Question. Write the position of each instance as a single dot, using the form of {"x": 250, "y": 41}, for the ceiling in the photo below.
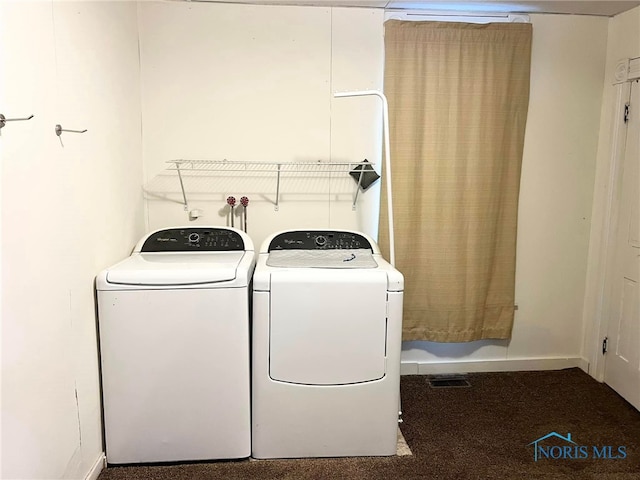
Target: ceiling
{"x": 607, "y": 8}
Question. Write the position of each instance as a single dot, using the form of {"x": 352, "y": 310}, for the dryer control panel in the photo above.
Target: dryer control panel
{"x": 319, "y": 240}
{"x": 195, "y": 239}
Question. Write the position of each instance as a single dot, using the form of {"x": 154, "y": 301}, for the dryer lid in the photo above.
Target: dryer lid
{"x": 352, "y": 258}
{"x": 167, "y": 269}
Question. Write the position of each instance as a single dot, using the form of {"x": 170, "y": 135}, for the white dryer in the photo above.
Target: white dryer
{"x": 174, "y": 345}
{"x": 327, "y": 327}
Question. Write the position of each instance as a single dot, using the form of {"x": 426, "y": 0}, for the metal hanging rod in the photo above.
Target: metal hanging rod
{"x": 4, "y": 120}
{"x": 59, "y": 130}
{"x": 387, "y": 158}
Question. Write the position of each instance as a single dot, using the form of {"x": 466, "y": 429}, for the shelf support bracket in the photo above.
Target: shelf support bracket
{"x": 277, "y": 207}
{"x": 184, "y": 195}
{"x": 355, "y": 197}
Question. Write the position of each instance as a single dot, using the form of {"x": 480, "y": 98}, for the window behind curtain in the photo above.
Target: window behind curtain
{"x": 458, "y": 96}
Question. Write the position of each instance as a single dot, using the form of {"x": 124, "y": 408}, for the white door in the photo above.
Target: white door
{"x": 622, "y": 367}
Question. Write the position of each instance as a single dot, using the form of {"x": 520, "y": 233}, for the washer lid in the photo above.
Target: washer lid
{"x": 175, "y": 269}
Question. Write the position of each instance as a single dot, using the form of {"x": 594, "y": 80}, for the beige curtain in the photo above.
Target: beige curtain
{"x": 458, "y": 97}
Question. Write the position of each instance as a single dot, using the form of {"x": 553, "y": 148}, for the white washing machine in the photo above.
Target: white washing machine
{"x": 327, "y": 328}
{"x": 174, "y": 345}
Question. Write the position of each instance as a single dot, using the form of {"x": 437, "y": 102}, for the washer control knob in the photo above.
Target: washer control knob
{"x": 321, "y": 240}
{"x": 194, "y": 237}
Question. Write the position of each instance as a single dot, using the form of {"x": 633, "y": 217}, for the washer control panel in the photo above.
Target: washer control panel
{"x": 199, "y": 239}
{"x": 319, "y": 240}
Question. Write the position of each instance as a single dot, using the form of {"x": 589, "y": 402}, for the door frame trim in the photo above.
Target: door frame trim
{"x": 600, "y": 258}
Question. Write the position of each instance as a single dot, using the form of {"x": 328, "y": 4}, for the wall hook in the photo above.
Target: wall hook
{"x": 4, "y": 120}
{"x": 59, "y": 130}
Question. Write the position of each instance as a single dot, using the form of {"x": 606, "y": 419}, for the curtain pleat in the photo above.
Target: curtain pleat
{"x": 458, "y": 97}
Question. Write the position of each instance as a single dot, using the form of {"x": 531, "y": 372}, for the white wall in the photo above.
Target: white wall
{"x": 623, "y": 43}
{"x": 242, "y": 82}
{"x": 67, "y": 212}
{"x": 255, "y": 83}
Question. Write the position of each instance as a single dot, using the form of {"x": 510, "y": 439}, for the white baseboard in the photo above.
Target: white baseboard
{"x": 97, "y": 468}
{"x": 515, "y": 365}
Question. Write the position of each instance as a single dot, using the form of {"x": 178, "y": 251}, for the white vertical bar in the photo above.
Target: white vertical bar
{"x": 387, "y": 158}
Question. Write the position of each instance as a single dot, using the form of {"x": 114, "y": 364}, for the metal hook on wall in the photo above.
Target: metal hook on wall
{"x": 59, "y": 130}
{"x": 4, "y": 120}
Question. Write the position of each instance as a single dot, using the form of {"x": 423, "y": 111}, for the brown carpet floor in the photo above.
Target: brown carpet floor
{"x": 481, "y": 432}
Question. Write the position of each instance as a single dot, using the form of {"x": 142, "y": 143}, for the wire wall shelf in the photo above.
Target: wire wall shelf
{"x": 198, "y": 169}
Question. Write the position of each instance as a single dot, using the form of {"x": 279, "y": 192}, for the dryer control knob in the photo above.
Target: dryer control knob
{"x": 321, "y": 240}
{"x": 194, "y": 237}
